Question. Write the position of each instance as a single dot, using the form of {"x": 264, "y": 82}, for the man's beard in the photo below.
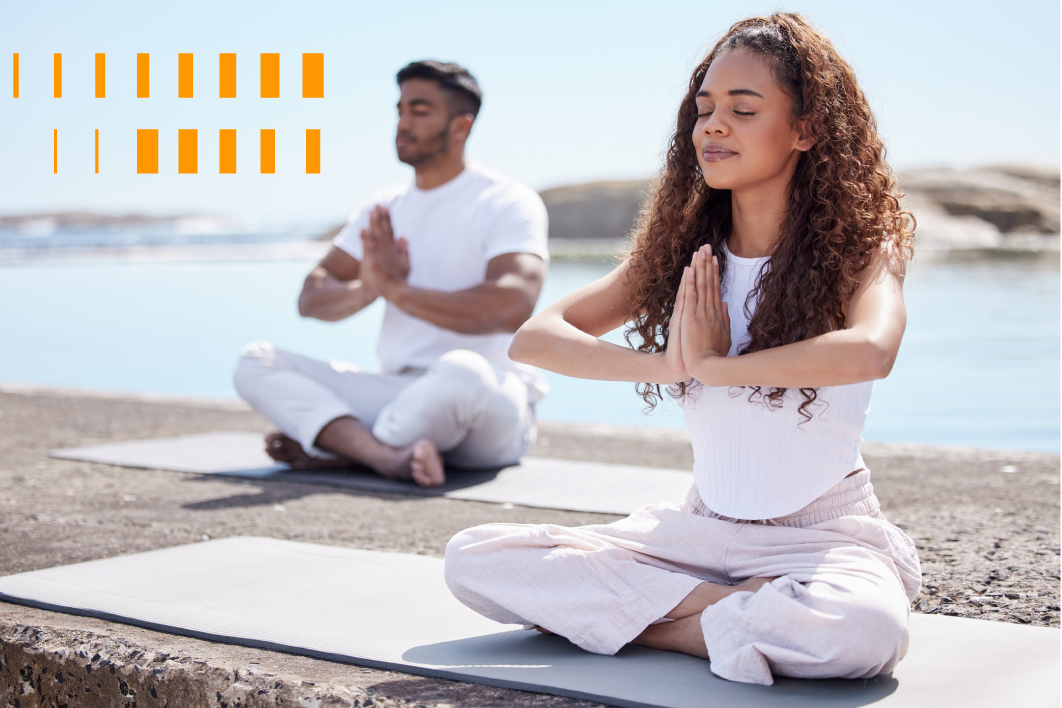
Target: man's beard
{"x": 428, "y": 149}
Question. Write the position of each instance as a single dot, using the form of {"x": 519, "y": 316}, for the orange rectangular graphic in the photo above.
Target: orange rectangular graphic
{"x": 143, "y": 75}
{"x": 313, "y": 75}
{"x": 269, "y": 152}
{"x": 101, "y": 75}
{"x": 187, "y": 152}
{"x": 270, "y": 75}
{"x": 147, "y": 152}
{"x": 184, "y": 76}
{"x": 14, "y": 75}
{"x": 226, "y": 76}
{"x": 227, "y": 151}
{"x": 313, "y": 151}
{"x": 57, "y": 76}
{"x": 55, "y": 151}
{"x": 97, "y": 150}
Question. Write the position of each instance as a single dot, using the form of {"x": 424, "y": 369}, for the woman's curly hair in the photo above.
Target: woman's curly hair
{"x": 843, "y": 205}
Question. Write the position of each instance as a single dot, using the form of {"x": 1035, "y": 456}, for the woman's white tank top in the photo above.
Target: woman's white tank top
{"x": 751, "y": 462}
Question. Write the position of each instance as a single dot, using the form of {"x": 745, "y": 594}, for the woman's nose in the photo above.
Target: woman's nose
{"x": 715, "y": 125}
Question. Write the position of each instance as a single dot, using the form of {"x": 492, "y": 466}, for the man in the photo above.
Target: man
{"x": 462, "y": 276}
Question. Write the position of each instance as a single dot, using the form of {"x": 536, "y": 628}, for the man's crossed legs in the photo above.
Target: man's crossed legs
{"x": 462, "y": 410}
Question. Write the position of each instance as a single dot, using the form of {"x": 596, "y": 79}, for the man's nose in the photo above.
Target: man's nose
{"x": 405, "y": 123}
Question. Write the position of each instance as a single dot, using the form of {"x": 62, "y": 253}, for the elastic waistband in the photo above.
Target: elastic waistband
{"x": 852, "y": 496}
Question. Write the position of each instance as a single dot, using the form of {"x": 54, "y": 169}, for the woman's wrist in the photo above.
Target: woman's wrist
{"x": 708, "y": 369}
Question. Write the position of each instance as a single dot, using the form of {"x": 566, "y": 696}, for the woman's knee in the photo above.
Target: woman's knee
{"x": 467, "y": 553}
{"x": 871, "y": 639}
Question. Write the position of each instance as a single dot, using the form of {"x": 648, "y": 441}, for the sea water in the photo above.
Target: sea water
{"x": 979, "y": 365}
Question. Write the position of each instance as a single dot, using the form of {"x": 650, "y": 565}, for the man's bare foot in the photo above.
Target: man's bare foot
{"x": 543, "y": 630}
{"x": 283, "y": 449}
{"x": 426, "y": 464}
{"x": 707, "y": 594}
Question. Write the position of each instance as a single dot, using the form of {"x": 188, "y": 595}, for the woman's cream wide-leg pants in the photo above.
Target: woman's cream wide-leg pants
{"x": 838, "y": 608}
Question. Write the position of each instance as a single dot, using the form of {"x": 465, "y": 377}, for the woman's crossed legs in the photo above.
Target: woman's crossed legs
{"x": 837, "y": 607}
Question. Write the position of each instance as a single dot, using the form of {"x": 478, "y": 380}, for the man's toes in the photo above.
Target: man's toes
{"x": 426, "y": 464}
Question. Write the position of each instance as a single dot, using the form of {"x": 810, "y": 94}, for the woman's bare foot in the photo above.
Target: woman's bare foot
{"x": 683, "y": 635}
{"x": 283, "y": 449}
{"x": 707, "y": 594}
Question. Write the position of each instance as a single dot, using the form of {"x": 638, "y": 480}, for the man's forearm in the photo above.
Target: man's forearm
{"x": 484, "y": 309}
{"x": 330, "y": 299}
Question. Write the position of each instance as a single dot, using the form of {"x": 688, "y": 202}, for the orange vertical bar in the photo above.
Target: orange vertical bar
{"x": 227, "y": 151}
{"x": 270, "y": 76}
{"x": 187, "y": 152}
{"x": 184, "y": 75}
{"x": 97, "y": 150}
{"x": 101, "y": 75}
{"x": 226, "y": 76}
{"x": 143, "y": 75}
{"x": 268, "y": 152}
{"x": 57, "y": 75}
{"x": 55, "y": 151}
{"x": 147, "y": 152}
{"x": 313, "y": 75}
{"x": 14, "y": 71}
{"x": 313, "y": 151}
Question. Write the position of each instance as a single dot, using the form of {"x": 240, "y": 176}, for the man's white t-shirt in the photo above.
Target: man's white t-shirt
{"x": 453, "y": 231}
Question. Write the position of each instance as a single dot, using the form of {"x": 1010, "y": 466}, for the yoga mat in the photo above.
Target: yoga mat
{"x": 393, "y": 611}
{"x": 536, "y": 481}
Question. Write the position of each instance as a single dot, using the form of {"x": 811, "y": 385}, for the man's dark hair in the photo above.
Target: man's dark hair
{"x": 462, "y": 92}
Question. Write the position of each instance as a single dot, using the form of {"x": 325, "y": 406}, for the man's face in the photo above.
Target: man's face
{"x": 423, "y": 122}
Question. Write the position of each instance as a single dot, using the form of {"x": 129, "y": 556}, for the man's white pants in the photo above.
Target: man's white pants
{"x": 476, "y": 412}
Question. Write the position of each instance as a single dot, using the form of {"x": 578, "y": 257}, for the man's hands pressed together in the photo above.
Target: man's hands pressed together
{"x": 385, "y": 262}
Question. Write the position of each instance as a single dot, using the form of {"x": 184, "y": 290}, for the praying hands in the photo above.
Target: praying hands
{"x": 385, "y": 264}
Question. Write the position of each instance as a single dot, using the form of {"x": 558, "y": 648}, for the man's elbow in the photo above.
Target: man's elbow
{"x": 305, "y": 306}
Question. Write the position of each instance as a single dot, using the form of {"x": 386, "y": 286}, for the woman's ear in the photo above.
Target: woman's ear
{"x": 807, "y": 136}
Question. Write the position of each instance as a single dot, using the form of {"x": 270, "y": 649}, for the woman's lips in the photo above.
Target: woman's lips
{"x": 714, "y": 153}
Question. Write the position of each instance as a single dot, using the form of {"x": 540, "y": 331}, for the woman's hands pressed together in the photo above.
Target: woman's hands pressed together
{"x": 705, "y": 318}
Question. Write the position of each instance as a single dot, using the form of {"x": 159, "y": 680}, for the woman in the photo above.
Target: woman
{"x": 765, "y": 291}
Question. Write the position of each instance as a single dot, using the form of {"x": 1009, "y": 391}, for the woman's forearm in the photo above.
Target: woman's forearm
{"x": 833, "y": 359}
{"x": 557, "y": 346}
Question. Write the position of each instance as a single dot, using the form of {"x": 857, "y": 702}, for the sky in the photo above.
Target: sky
{"x": 574, "y": 91}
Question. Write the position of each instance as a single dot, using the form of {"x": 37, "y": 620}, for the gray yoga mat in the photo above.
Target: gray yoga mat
{"x": 393, "y": 611}
{"x": 536, "y": 481}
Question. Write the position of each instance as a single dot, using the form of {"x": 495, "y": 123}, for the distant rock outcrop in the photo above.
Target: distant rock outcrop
{"x": 595, "y": 211}
{"x": 989, "y": 207}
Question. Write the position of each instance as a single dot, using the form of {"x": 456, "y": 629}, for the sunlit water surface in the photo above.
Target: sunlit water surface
{"x": 979, "y": 364}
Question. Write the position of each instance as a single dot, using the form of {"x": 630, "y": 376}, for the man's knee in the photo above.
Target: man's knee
{"x": 254, "y": 357}
{"x": 465, "y": 366}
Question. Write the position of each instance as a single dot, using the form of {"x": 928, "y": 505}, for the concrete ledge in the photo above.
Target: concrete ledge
{"x": 986, "y": 524}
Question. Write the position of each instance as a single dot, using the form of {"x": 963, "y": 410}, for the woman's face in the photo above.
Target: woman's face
{"x": 744, "y": 135}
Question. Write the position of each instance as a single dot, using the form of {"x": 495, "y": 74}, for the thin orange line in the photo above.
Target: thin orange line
{"x": 14, "y": 67}
{"x": 55, "y": 151}
{"x": 97, "y": 150}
